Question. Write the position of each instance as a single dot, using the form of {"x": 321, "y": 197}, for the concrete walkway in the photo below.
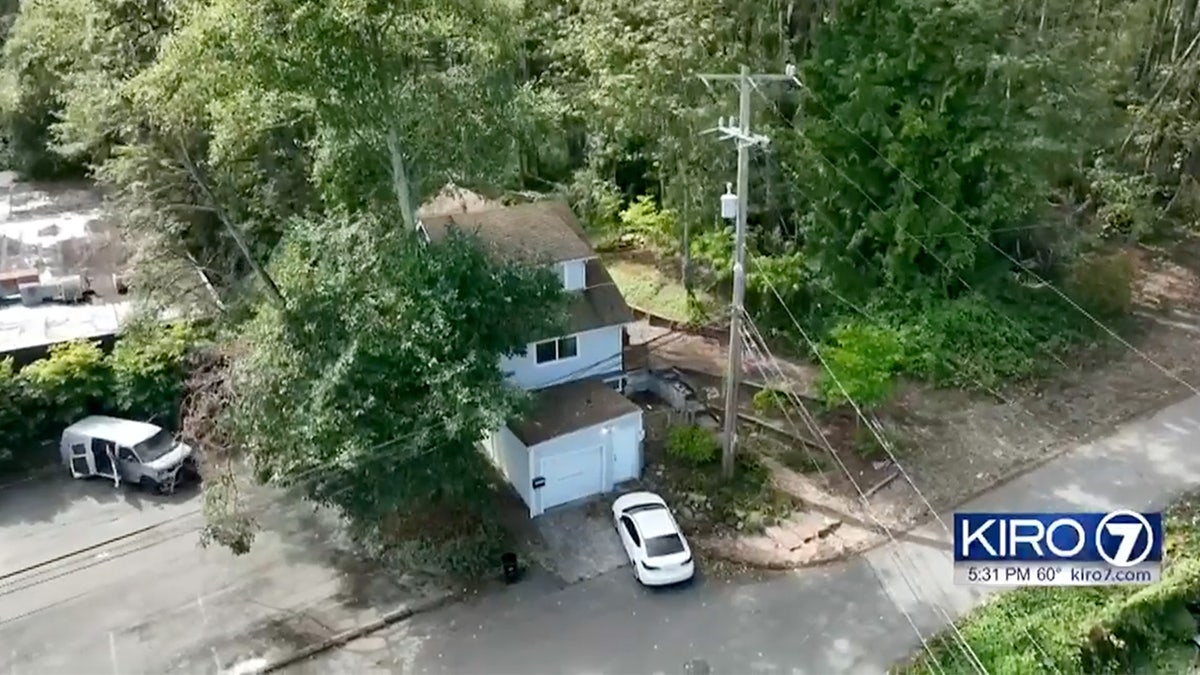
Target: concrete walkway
{"x": 847, "y": 618}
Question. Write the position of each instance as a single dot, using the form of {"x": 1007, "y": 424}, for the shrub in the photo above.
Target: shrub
{"x": 15, "y": 408}
{"x": 861, "y": 363}
{"x": 693, "y": 445}
{"x": 596, "y": 200}
{"x": 970, "y": 340}
{"x": 143, "y": 378}
{"x": 980, "y": 340}
{"x": 767, "y": 401}
{"x": 149, "y": 369}
{"x": 71, "y": 382}
{"x": 644, "y": 219}
{"x": 1104, "y": 283}
{"x": 1151, "y": 618}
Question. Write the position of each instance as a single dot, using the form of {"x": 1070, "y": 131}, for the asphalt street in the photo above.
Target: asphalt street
{"x": 154, "y": 601}
{"x": 852, "y": 617}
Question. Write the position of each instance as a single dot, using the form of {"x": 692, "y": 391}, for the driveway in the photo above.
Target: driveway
{"x": 101, "y": 580}
{"x": 848, "y": 618}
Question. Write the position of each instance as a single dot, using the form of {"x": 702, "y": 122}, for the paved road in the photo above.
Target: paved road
{"x": 848, "y": 618}
{"x": 155, "y": 602}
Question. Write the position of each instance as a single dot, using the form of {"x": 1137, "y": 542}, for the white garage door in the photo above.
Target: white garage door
{"x": 572, "y": 475}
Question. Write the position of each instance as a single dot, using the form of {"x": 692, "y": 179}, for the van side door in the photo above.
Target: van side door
{"x": 129, "y": 465}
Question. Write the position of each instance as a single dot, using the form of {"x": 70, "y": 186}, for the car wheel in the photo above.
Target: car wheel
{"x": 147, "y": 484}
{"x": 636, "y": 573}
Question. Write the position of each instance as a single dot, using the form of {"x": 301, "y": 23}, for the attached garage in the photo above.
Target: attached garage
{"x": 580, "y": 439}
{"x": 569, "y": 474}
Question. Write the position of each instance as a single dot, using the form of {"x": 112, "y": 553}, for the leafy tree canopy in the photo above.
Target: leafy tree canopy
{"x": 923, "y": 133}
{"x": 371, "y": 391}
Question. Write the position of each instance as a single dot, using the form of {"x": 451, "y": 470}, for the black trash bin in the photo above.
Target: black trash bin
{"x": 508, "y": 565}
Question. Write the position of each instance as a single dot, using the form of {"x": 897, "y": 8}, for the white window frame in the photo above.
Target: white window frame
{"x": 557, "y": 342}
{"x": 617, "y": 383}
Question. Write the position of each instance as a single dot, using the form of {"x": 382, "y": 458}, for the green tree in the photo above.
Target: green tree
{"x": 370, "y": 392}
{"x": 398, "y": 98}
{"x": 41, "y": 51}
{"x": 939, "y": 91}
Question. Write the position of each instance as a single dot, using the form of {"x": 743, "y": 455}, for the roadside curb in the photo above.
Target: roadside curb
{"x": 900, "y": 532}
{"x": 821, "y": 561}
{"x": 349, "y": 635}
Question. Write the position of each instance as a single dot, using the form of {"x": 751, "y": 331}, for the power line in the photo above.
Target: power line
{"x": 994, "y": 392}
{"x": 744, "y": 140}
{"x": 985, "y": 238}
{"x": 898, "y": 550}
{"x": 865, "y": 313}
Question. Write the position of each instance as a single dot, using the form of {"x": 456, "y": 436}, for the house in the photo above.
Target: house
{"x": 582, "y": 435}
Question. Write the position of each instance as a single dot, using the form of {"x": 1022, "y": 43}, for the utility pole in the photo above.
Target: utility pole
{"x": 737, "y": 206}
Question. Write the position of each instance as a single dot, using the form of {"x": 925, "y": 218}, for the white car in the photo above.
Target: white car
{"x": 656, "y": 547}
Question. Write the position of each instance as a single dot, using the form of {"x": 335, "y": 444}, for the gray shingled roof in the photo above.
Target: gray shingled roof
{"x": 544, "y": 232}
{"x": 600, "y": 304}
{"x": 570, "y": 407}
{"x": 538, "y": 232}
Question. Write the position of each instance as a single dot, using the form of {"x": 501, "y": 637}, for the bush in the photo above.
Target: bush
{"x": 971, "y": 340}
{"x": 1104, "y": 283}
{"x": 597, "y": 201}
{"x": 693, "y": 445}
{"x": 654, "y": 226}
{"x": 73, "y": 381}
{"x": 149, "y": 370}
{"x": 861, "y": 363}
{"x": 143, "y": 378}
{"x": 976, "y": 340}
{"x": 767, "y": 401}
{"x": 1150, "y": 619}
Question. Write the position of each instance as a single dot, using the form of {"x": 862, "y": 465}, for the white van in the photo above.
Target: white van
{"x": 124, "y": 450}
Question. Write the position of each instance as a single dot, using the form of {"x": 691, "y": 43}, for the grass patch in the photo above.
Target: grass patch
{"x": 647, "y": 287}
{"x": 1086, "y": 630}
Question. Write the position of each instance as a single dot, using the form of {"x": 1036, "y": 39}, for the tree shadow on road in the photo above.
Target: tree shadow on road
{"x": 48, "y": 497}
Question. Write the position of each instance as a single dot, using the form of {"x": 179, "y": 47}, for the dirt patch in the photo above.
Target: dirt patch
{"x": 955, "y": 444}
{"x": 964, "y": 443}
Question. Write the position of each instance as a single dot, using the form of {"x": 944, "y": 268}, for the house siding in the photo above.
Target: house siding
{"x": 574, "y": 273}
{"x": 599, "y": 354}
{"x": 511, "y": 457}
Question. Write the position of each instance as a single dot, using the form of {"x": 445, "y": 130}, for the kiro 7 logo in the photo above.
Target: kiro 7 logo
{"x": 1119, "y": 538}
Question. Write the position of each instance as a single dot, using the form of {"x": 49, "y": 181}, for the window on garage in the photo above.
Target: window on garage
{"x": 556, "y": 350}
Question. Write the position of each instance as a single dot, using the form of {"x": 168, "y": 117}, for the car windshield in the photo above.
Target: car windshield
{"x": 667, "y": 544}
{"x": 154, "y": 447}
